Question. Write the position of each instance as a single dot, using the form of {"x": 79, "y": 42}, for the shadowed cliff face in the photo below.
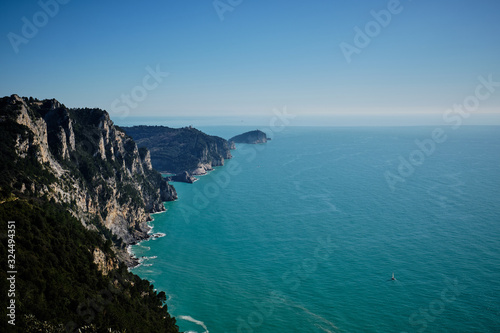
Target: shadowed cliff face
{"x": 82, "y": 160}
{"x": 176, "y": 150}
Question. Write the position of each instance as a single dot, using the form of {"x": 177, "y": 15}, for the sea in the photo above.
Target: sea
{"x": 336, "y": 229}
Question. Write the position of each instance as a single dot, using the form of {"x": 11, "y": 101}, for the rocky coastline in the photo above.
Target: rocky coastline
{"x": 81, "y": 192}
{"x": 101, "y": 174}
{"x": 185, "y": 152}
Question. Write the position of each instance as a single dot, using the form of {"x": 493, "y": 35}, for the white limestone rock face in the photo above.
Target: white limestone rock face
{"x": 104, "y": 263}
{"x": 99, "y": 171}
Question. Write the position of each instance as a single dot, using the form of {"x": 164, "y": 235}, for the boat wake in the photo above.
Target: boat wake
{"x": 314, "y": 315}
{"x": 198, "y": 322}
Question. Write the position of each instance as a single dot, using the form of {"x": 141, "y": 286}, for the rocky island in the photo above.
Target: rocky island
{"x": 252, "y": 137}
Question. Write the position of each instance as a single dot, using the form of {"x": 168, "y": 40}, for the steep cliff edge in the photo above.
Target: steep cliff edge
{"x": 86, "y": 163}
{"x": 176, "y": 150}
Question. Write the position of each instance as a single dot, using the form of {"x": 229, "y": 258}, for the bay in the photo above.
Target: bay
{"x": 302, "y": 234}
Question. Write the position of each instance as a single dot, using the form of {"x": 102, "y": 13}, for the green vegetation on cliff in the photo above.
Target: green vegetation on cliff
{"x": 79, "y": 190}
{"x": 175, "y": 150}
{"x": 58, "y": 285}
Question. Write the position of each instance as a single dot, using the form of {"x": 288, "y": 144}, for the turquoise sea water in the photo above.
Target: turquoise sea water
{"x": 303, "y": 233}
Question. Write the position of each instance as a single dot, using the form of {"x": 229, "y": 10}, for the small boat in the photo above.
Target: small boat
{"x": 393, "y": 278}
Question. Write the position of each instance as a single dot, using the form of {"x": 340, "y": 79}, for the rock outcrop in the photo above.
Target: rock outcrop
{"x": 105, "y": 264}
{"x": 183, "y": 177}
{"x": 252, "y": 137}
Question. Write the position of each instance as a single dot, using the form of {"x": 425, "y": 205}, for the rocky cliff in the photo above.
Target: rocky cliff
{"x": 84, "y": 162}
{"x": 176, "y": 150}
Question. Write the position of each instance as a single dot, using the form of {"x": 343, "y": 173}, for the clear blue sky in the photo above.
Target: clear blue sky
{"x": 265, "y": 54}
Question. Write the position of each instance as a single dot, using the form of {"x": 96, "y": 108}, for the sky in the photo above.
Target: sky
{"x": 324, "y": 61}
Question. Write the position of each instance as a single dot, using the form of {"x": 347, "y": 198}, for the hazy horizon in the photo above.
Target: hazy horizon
{"x": 356, "y": 63}
{"x": 304, "y": 121}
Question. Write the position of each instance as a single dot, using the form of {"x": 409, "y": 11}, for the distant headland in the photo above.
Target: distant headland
{"x": 185, "y": 152}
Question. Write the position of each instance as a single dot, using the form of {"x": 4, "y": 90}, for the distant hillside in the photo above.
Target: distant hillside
{"x": 175, "y": 150}
{"x": 79, "y": 190}
{"x": 252, "y": 137}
